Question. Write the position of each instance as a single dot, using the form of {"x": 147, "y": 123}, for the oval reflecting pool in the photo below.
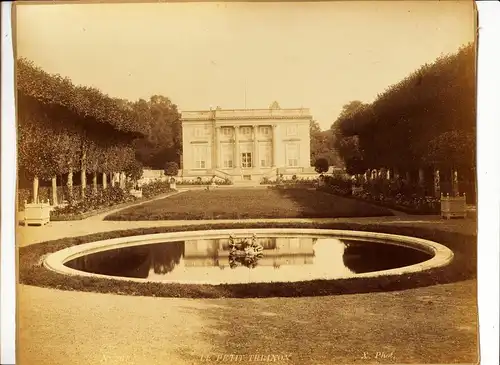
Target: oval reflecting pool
{"x": 281, "y": 258}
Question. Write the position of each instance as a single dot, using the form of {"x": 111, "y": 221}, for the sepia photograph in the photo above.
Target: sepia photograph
{"x": 246, "y": 182}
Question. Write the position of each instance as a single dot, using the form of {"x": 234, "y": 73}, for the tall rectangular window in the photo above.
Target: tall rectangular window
{"x": 265, "y": 154}
{"x": 292, "y": 154}
{"x": 246, "y": 149}
{"x": 227, "y": 156}
{"x": 246, "y": 159}
{"x": 200, "y": 156}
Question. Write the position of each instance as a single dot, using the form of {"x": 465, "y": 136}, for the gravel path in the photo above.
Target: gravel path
{"x": 55, "y": 230}
{"x": 426, "y": 325}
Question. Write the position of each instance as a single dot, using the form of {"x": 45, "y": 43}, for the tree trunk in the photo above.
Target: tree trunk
{"x": 421, "y": 177}
{"x": 122, "y": 180}
{"x": 83, "y": 162}
{"x": 35, "y": 189}
{"x": 54, "y": 190}
{"x": 437, "y": 183}
{"x": 112, "y": 179}
{"x": 104, "y": 181}
{"x": 388, "y": 174}
{"x": 454, "y": 182}
{"x": 94, "y": 182}
{"x": 69, "y": 184}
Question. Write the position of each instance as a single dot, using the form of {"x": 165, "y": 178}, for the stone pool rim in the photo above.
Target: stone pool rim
{"x": 441, "y": 255}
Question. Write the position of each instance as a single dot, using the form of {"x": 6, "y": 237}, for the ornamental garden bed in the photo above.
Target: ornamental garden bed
{"x": 398, "y": 207}
{"x": 463, "y": 266}
{"x": 106, "y": 200}
{"x": 428, "y": 205}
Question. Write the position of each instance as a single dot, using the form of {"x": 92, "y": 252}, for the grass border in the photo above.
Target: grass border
{"x": 463, "y": 266}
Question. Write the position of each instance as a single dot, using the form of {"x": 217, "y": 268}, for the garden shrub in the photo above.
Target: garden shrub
{"x": 94, "y": 200}
{"x": 395, "y": 193}
{"x": 154, "y": 188}
{"x": 199, "y": 181}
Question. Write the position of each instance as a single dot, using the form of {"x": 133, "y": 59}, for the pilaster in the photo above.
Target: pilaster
{"x": 275, "y": 149}
{"x": 255, "y": 160}
{"x": 216, "y": 147}
{"x": 236, "y": 146}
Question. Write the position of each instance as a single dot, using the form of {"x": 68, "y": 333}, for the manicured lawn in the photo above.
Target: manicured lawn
{"x": 250, "y": 203}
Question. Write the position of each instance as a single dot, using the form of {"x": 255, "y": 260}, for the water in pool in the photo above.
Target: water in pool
{"x": 270, "y": 259}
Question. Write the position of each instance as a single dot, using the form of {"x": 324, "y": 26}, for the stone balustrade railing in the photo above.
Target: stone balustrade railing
{"x": 246, "y": 114}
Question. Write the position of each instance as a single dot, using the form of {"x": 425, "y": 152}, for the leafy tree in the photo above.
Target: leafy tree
{"x": 406, "y": 123}
{"x": 171, "y": 169}
{"x": 164, "y": 141}
{"x": 322, "y": 145}
{"x": 321, "y": 165}
{"x": 61, "y": 128}
{"x": 134, "y": 170}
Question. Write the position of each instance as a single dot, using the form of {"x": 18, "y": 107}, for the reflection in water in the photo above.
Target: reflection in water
{"x": 166, "y": 257}
{"x": 361, "y": 257}
{"x": 246, "y": 252}
{"x": 279, "y": 259}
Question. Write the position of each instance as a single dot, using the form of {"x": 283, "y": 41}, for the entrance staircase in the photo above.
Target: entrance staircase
{"x": 246, "y": 178}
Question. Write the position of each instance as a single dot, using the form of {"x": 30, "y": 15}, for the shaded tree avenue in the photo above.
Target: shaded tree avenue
{"x": 426, "y": 121}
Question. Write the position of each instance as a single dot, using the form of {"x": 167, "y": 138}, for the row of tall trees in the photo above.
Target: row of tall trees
{"x": 65, "y": 129}
{"x": 426, "y": 121}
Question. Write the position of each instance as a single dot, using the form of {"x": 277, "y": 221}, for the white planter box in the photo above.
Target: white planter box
{"x": 355, "y": 190}
{"x": 136, "y": 193}
{"x": 453, "y": 207}
{"x": 37, "y": 213}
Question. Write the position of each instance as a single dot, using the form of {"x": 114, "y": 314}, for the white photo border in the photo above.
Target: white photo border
{"x": 488, "y": 186}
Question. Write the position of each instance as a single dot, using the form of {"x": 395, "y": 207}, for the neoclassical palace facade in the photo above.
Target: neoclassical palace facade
{"x": 246, "y": 144}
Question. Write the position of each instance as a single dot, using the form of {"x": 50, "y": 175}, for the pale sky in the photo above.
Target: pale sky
{"x": 317, "y": 55}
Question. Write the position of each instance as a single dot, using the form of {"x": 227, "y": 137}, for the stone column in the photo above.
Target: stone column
{"x": 236, "y": 146}
{"x": 216, "y": 148}
{"x": 255, "y": 159}
{"x": 275, "y": 149}
{"x": 104, "y": 181}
